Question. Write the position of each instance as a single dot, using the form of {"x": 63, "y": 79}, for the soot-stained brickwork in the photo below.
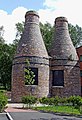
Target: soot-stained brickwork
{"x": 31, "y": 47}
{"x": 63, "y": 62}
{"x": 64, "y": 57}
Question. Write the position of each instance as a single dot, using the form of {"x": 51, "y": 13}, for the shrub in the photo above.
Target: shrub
{"x": 3, "y": 101}
{"x": 29, "y": 100}
{"x": 44, "y": 100}
{"x": 63, "y": 101}
{"x": 76, "y": 101}
{"x": 49, "y": 101}
{"x": 56, "y": 100}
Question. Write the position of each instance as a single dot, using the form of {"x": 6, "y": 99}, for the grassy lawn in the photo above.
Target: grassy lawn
{"x": 59, "y": 109}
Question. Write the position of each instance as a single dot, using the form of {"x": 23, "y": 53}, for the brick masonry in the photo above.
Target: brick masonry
{"x": 31, "y": 47}
{"x": 79, "y": 52}
{"x": 64, "y": 57}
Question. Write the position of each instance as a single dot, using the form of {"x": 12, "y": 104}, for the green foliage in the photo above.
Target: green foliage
{"x": 75, "y": 34}
{"x": 5, "y": 65}
{"x": 3, "y": 101}
{"x": 1, "y": 35}
{"x": 44, "y": 100}
{"x": 49, "y": 101}
{"x": 72, "y": 100}
{"x": 19, "y": 28}
{"x": 59, "y": 109}
{"x": 29, "y": 75}
{"x": 29, "y": 100}
{"x": 6, "y": 56}
{"x": 63, "y": 101}
{"x": 72, "y": 104}
{"x": 47, "y": 31}
{"x": 76, "y": 101}
{"x": 56, "y": 100}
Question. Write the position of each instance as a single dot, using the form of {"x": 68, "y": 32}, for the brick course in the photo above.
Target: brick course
{"x": 64, "y": 57}
{"x": 79, "y": 52}
{"x": 31, "y": 47}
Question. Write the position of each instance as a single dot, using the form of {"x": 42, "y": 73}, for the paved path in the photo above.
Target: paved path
{"x": 39, "y": 116}
{"x": 10, "y": 109}
{"x": 17, "y": 108}
{"x": 17, "y": 113}
{"x": 3, "y": 116}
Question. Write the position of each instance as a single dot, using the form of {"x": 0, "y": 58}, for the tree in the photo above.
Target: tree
{"x": 1, "y": 34}
{"x": 75, "y": 34}
{"x": 47, "y": 33}
{"x": 5, "y": 66}
{"x": 19, "y": 28}
{"x": 6, "y": 56}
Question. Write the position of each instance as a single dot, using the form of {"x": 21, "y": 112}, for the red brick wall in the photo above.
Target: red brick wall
{"x": 79, "y": 52}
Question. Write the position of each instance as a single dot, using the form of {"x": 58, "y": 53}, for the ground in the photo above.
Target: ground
{"x": 17, "y": 113}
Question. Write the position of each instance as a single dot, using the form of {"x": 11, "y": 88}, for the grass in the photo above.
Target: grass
{"x": 59, "y": 109}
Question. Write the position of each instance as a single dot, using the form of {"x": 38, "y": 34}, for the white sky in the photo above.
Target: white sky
{"x": 72, "y": 9}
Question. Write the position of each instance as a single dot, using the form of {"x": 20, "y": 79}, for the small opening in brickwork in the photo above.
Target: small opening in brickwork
{"x": 81, "y": 90}
{"x": 81, "y": 73}
{"x": 30, "y": 77}
{"x": 81, "y": 58}
{"x": 58, "y": 78}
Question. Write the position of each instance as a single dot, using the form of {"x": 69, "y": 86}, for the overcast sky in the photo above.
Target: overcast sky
{"x": 13, "y": 11}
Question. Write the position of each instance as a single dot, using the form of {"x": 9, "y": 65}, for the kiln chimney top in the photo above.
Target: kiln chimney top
{"x": 61, "y": 19}
{"x": 31, "y": 12}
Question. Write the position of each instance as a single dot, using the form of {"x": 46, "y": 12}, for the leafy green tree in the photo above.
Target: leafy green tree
{"x": 6, "y": 56}
{"x": 19, "y": 28}
{"x": 75, "y": 34}
{"x": 5, "y": 66}
{"x": 47, "y": 33}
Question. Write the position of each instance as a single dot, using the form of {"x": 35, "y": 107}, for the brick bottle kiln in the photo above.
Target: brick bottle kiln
{"x": 30, "y": 46}
{"x": 64, "y": 70}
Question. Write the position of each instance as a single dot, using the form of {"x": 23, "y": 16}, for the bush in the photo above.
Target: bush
{"x": 63, "y": 101}
{"x": 3, "y": 101}
{"x": 56, "y": 100}
{"x": 44, "y": 100}
{"x": 29, "y": 100}
{"x": 76, "y": 101}
{"x": 49, "y": 101}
